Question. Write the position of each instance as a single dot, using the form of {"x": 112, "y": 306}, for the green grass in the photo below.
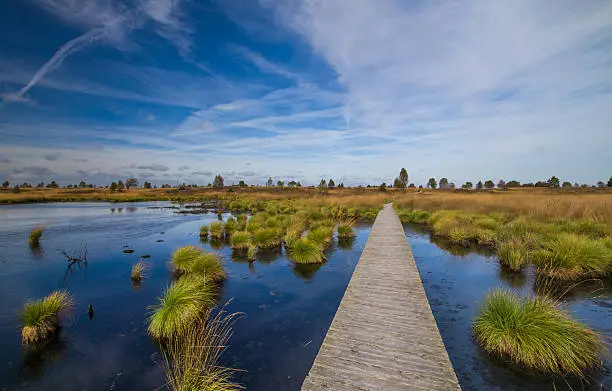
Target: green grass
{"x": 251, "y": 253}
{"x": 414, "y": 216}
{"x": 183, "y": 257}
{"x": 266, "y": 238}
{"x": 291, "y": 236}
{"x": 513, "y": 254}
{"x": 240, "y": 239}
{"x": 536, "y": 334}
{"x": 345, "y": 231}
{"x": 192, "y": 359}
{"x": 40, "y": 318}
{"x": 571, "y": 256}
{"x": 305, "y": 251}
{"x": 217, "y": 230}
{"x": 181, "y": 305}
{"x": 138, "y": 271}
{"x": 209, "y": 266}
{"x": 321, "y": 235}
{"x": 231, "y": 225}
{"x": 204, "y": 231}
{"x": 34, "y": 239}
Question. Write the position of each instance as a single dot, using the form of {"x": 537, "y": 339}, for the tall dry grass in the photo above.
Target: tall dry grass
{"x": 535, "y": 205}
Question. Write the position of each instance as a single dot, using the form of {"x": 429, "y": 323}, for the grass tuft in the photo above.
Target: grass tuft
{"x": 345, "y": 231}
{"x": 217, "y": 230}
{"x": 192, "y": 359}
{"x": 138, "y": 271}
{"x": 306, "y": 251}
{"x": 321, "y": 235}
{"x": 34, "y": 239}
{"x": 266, "y": 238}
{"x": 209, "y": 266}
{"x": 240, "y": 239}
{"x": 251, "y": 253}
{"x": 204, "y": 231}
{"x": 513, "y": 254}
{"x": 40, "y": 318}
{"x": 183, "y": 257}
{"x": 181, "y": 305}
{"x": 571, "y": 256}
{"x": 535, "y": 333}
{"x": 231, "y": 225}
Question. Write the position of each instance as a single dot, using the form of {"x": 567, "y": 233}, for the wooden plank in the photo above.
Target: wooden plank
{"x": 383, "y": 335}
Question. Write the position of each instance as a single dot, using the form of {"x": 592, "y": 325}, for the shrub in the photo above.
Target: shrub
{"x": 266, "y": 238}
{"x": 217, "y": 230}
{"x": 306, "y": 251}
{"x": 180, "y": 306}
{"x": 537, "y": 334}
{"x": 240, "y": 239}
{"x": 570, "y": 256}
{"x": 40, "y": 318}
{"x": 34, "y": 239}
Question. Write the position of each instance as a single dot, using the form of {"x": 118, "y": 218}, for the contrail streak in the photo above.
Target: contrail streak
{"x": 75, "y": 44}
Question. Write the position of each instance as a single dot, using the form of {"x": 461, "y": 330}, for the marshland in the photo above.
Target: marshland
{"x": 267, "y": 270}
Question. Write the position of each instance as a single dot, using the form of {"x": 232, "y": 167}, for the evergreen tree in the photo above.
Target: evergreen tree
{"x": 479, "y": 185}
{"x": 322, "y": 184}
{"x": 131, "y": 183}
{"x": 280, "y": 184}
{"x": 270, "y": 182}
{"x": 489, "y": 184}
{"x": 397, "y": 183}
{"x": 610, "y": 182}
{"x": 553, "y": 182}
{"x": 443, "y": 183}
{"x": 5, "y": 184}
{"x": 113, "y": 187}
{"x": 501, "y": 184}
{"x": 120, "y": 185}
{"x": 431, "y": 183}
{"x": 403, "y": 177}
{"x": 331, "y": 184}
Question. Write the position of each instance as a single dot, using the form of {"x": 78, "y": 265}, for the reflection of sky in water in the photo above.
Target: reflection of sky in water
{"x": 286, "y": 310}
{"x": 456, "y": 281}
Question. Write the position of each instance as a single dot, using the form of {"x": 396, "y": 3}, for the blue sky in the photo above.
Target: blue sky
{"x": 179, "y": 90}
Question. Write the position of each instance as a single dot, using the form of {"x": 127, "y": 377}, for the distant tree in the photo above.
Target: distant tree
{"x": 341, "y": 185}
{"x": 16, "y": 189}
{"x": 382, "y": 187}
{"x": 403, "y": 177}
{"x": 431, "y": 183}
{"x": 542, "y": 184}
{"x": 147, "y": 185}
{"x": 467, "y": 185}
{"x": 322, "y": 184}
{"x": 566, "y": 185}
{"x": 513, "y": 183}
{"x": 120, "y": 185}
{"x": 270, "y": 182}
{"x": 411, "y": 186}
{"x": 601, "y": 184}
{"x": 280, "y": 183}
{"x": 5, "y": 184}
{"x": 397, "y": 183}
{"x": 576, "y": 185}
{"x": 182, "y": 187}
{"x": 242, "y": 184}
{"x": 420, "y": 186}
{"x": 501, "y": 184}
{"x": 331, "y": 184}
{"x": 40, "y": 185}
{"x": 489, "y": 184}
{"x": 113, "y": 187}
{"x": 69, "y": 186}
{"x": 298, "y": 184}
{"x": 610, "y": 182}
{"x": 451, "y": 185}
{"x": 553, "y": 182}
{"x": 479, "y": 185}
{"x": 527, "y": 185}
{"x": 167, "y": 186}
{"x": 52, "y": 185}
{"x": 218, "y": 182}
{"x": 131, "y": 183}
{"x": 443, "y": 183}
{"x": 292, "y": 183}
{"x": 82, "y": 184}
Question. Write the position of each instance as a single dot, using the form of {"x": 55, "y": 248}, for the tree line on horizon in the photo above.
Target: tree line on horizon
{"x": 400, "y": 182}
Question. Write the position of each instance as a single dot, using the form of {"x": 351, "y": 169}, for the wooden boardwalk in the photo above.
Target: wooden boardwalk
{"x": 383, "y": 336}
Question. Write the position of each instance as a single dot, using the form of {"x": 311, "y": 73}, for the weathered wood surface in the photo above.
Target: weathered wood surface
{"x": 383, "y": 336}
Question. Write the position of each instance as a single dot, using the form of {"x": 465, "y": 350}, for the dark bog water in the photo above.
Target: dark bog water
{"x": 456, "y": 280}
{"x": 287, "y": 309}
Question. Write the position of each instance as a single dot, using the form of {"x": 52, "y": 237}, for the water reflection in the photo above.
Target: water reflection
{"x": 346, "y": 243}
{"x": 306, "y": 271}
{"x": 512, "y": 278}
{"x": 268, "y": 255}
{"x": 131, "y": 209}
{"x": 36, "y": 357}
